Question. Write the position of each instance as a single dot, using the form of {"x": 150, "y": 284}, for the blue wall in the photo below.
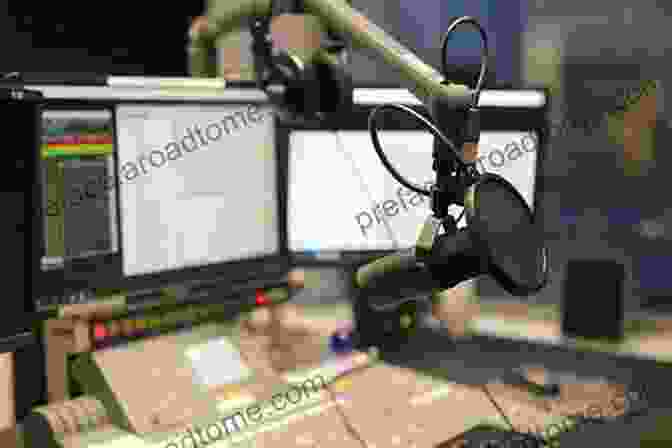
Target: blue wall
{"x": 423, "y": 23}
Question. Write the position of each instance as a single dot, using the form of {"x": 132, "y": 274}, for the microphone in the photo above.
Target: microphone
{"x": 501, "y": 239}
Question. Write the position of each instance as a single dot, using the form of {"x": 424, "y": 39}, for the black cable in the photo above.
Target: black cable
{"x": 484, "y": 53}
{"x": 373, "y": 131}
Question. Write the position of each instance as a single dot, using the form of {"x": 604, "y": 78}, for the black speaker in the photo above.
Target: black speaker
{"x": 593, "y": 299}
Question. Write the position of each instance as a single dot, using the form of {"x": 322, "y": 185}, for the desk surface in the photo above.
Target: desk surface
{"x": 391, "y": 404}
{"x": 645, "y": 338}
{"x": 384, "y": 405}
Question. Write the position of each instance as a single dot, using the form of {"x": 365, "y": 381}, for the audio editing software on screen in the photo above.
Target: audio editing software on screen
{"x": 78, "y": 185}
{"x": 138, "y": 195}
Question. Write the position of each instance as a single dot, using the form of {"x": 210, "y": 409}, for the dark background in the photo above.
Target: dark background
{"x": 122, "y": 38}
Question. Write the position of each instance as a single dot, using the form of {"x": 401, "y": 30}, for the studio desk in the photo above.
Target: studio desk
{"x": 120, "y": 318}
{"x": 645, "y": 337}
{"x": 186, "y": 389}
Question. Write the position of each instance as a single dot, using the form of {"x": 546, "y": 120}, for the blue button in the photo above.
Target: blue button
{"x": 341, "y": 342}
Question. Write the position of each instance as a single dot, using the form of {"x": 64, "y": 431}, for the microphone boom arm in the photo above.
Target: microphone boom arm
{"x": 426, "y": 83}
{"x": 437, "y": 261}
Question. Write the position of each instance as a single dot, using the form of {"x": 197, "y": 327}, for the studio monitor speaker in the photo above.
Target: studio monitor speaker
{"x": 593, "y": 299}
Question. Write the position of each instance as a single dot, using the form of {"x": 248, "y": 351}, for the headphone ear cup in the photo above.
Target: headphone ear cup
{"x": 335, "y": 88}
{"x": 285, "y": 70}
{"x": 301, "y": 92}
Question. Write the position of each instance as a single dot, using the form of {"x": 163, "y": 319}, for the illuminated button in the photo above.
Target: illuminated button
{"x": 99, "y": 331}
{"x": 341, "y": 341}
{"x": 341, "y": 385}
{"x": 140, "y": 325}
{"x": 261, "y": 299}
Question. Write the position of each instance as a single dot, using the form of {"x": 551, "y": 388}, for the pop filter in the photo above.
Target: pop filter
{"x": 503, "y": 229}
{"x": 501, "y": 239}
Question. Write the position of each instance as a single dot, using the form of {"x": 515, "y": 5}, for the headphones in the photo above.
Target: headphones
{"x": 310, "y": 90}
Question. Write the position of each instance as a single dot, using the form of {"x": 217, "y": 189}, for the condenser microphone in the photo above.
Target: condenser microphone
{"x": 501, "y": 239}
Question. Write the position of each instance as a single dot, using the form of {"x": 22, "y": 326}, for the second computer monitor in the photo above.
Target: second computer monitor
{"x": 343, "y": 203}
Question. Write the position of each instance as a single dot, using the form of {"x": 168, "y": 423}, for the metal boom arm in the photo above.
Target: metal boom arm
{"x": 424, "y": 81}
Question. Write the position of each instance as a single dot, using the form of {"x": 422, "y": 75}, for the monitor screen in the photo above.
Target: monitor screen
{"x": 198, "y": 185}
{"x": 141, "y": 191}
{"x": 79, "y": 211}
{"x": 341, "y": 197}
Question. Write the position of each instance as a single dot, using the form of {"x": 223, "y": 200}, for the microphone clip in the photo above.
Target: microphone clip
{"x": 430, "y": 231}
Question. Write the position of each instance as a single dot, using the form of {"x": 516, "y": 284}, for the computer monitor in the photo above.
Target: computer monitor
{"x": 198, "y": 185}
{"x": 343, "y": 205}
{"x": 144, "y": 189}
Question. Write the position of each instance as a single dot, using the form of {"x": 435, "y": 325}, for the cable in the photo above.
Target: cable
{"x": 466, "y": 167}
{"x": 496, "y": 405}
{"x": 373, "y": 131}
{"x": 346, "y": 421}
{"x": 484, "y": 53}
{"x": 388, "y": 228}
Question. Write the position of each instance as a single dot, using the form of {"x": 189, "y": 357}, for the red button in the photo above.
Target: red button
{"x": 261, "y": 298}
{"x": 99, "y": 331}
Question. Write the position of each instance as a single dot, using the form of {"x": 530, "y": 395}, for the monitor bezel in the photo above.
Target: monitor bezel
{"x": 17, "y": 327}
{"x": 105, "y": 272}
{"x": 492, "y": 119}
